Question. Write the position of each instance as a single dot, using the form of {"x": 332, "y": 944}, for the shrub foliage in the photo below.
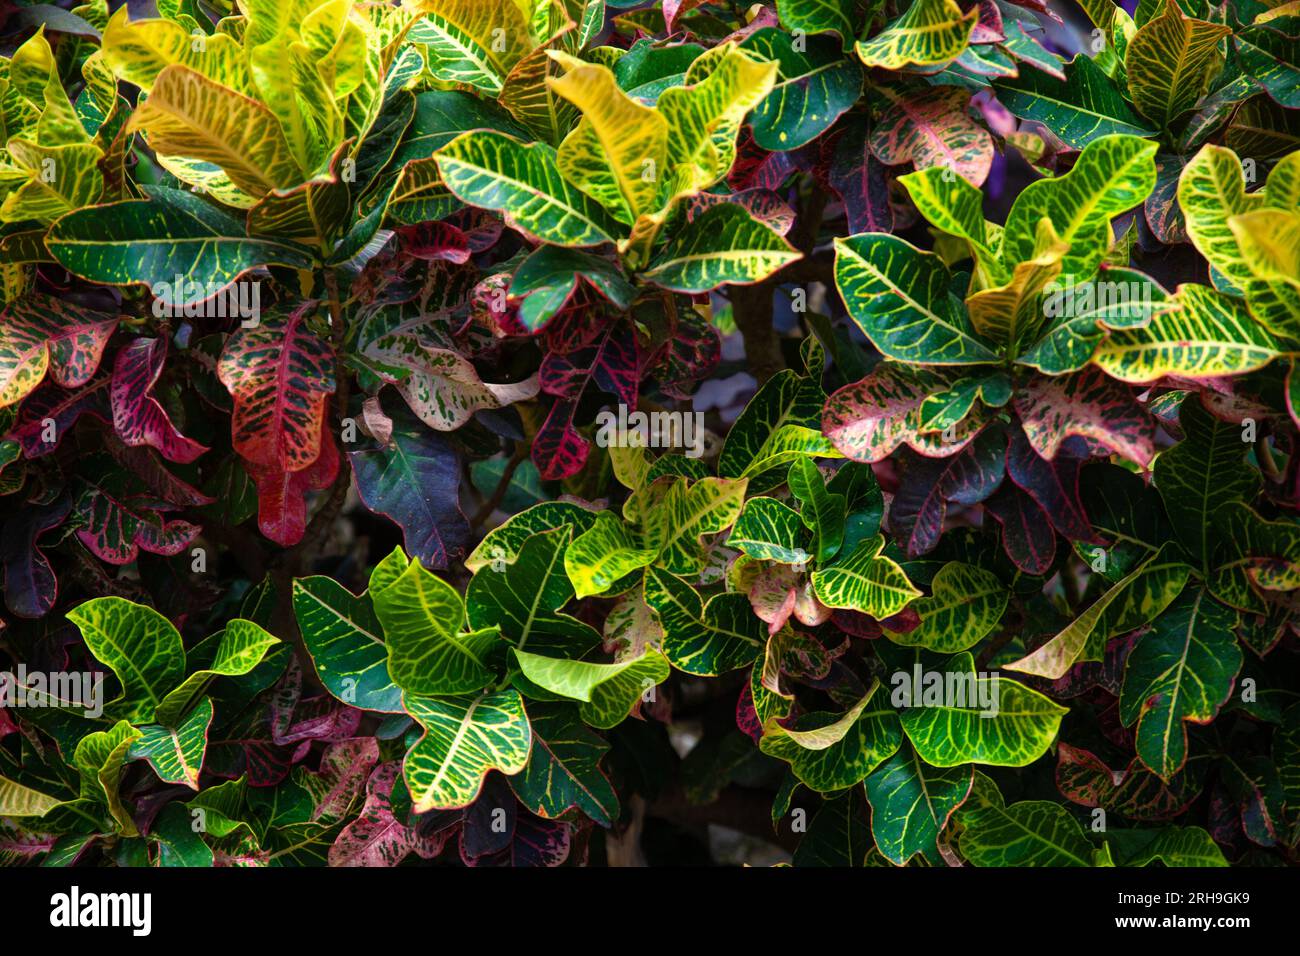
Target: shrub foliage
{"x": 514, "y": 432}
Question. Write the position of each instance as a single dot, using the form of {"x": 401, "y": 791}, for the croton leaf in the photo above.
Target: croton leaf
{"x": 965, "y": 604}
{"x": 725, "y": 244}
{"x": 279, "y": 373}
{"x": 829, "y": 752}
{"x": 932, "y": 127}
{"x": 171, "y": 233}
{"x": 1202, "y": 474}
{"x": 38, "y": 333}
{"x": 489, "y": 169}
{"x": 816, "y": 84}
{"x": 703, "y": 639}
{"x": 137, "y": 416}
{"x": 243, "y": 645}
{"x": 346, "y": 642}
{"x": 608, "y": 692}
{"x": 866, "y": 581}
{"x": 139, "y": 645}
{"x": 1014, "y": 730}
{"x": 176, "y": 754}
{"x": 463, "y": 739}
{"x": 422, "y": 617}
{"x": 1112, "y": 174}
{"x": 1182, "y": 669}
{"x": 563, "y": 769}
{"x": 523, "y": 598}
{"x": 414, "y": 478}
{"x": 1027, "y": 833}
{"x": 870, "y": 418}
{"x": 31, "y": 587}
{"x": 902, "y": 299}
{"x": 1090, "y": 404}
{"x": 1170, "y": 62}
{"x": 928, "y": 34}
{"x": 1079, "y": 109}
{"x": 1143, "y": 593}
{"x": 911, "y": 803}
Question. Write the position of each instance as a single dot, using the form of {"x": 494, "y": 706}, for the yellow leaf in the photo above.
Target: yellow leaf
{"x": 189, "y": 115}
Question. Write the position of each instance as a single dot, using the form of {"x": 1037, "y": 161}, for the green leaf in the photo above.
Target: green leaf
{"x": 524, "y": 183}
{"x": 1201, "y": 474}
{"x": 964, "y": 607}
{"x": 955, "y": 206}
{"x": 815, "y": 85}
{"x": 522, "y": 601}
{"x": 930, "y": 32}
{"x": 725, "y": 244}
{"x": 1112, "y": 174}
{"x": 1081, "y": 316}
{"x": 674, "y": 513}
{"x": 1170, "y": 62}
{"x": 902, "y": 298}
{"x": 1083, "y": 107}
{"x": 139, "y": 645}
{"x": 422, "y": 616}
{"x": 787, "y": 398}
{"x": 829, "y": 752}
{"x": 501, "y": 545}
{"x": 618, "y": 152}
{"x": 911, "y": 803}
{"x": 603, "y": 555}
{"x": 704, "y": 115}
{"x": 1028, "y": 833}
{"x": 703, "y": 639}
{"x": 243, "y": 646}
{"x": 563, "y": 768}
{"x": 178, "y": 844}
{"x": 547, "y": 279}
{"x": 1014, "y": 730}
{"x": 1211, "y": 190}
{"x": 463, "y": 739}
{"x": 1252, "y": 553}
{"x": 154, "y": 240}
{"x": 608, "y": 691}
{"x": 101, "y": 759}
{"x": 1149, "y": 588}
{"x": 819, "y": 16}
{"x": 176, "y": 753}
{"x": 769, "y": 530}
{"x": 474, "y": 42}
{"x": 1172, "y": 846}
{"x": 346, "y": 643}
{"x": 823, "y": 512}
{"x": 865, "y": 581}
{"x": 1182, "y": 669}
{"x": 190, "y": 116}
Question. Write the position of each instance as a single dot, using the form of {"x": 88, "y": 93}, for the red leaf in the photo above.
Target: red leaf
{"x": 137, "y": 416}
{"x": 279, "y": 373}
{"x": 281, "y": 495}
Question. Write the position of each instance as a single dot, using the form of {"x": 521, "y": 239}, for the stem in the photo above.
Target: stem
{"x": 503, "y": 485}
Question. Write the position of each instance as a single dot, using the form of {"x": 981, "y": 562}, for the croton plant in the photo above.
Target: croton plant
{"x": 563, "y": 432}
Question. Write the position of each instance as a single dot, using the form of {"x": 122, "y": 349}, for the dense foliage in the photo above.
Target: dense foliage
{"x": 547, "y": 432}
